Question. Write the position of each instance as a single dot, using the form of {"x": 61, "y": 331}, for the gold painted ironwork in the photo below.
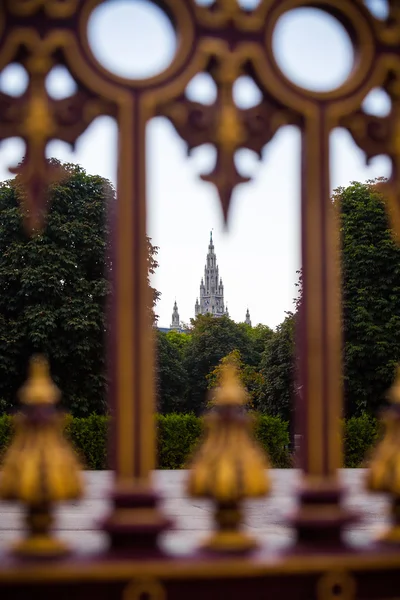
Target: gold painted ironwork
{"x": 40, "y": 468}
{"x": 180, "y": 570}
{"x": 338, "y": 585}
{"x": 140, "y": 589}
{"x": 225, "y": 41}
{"x": 384, "y": 470}
{"x": 52, "y": 8}
{"x": 229, "y": 466}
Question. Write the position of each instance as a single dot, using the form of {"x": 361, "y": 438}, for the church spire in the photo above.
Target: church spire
{"x": 211, "y": 244}
{"x": 211, "y": 287}
{"x": 175, "y": 317}
{"x": 248, "y": 320}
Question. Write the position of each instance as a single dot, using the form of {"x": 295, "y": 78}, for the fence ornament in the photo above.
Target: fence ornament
{"x": 229, "y": 466}
{"x": 227, "y": 42}
{"x": 40, "y": 468}
{"x": 384, "y": 469}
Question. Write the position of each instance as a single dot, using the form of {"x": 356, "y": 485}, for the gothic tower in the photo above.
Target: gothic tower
{"x": 248, "y": 320}
{"x": 211, "y": 287}
{"x": 175, "y": 317}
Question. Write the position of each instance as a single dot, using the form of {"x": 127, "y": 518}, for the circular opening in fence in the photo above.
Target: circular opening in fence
{"x": 313, "y": 49}
{"x": 246, "y": 93}
{"x": 14, "y": 80}
{"x": 377, "y": 103}
{"x": 202, "y": 88}
{"x": 59, "y": 83}
{"x": 133, "y": 39}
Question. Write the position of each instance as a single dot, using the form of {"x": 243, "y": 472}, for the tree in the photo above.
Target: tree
{"x": 299, "y": 286}
{"x": 210, "y": 340}
{"x": 54, "y": 289}
{"x": 278, "y": 371}
{"x": 370, "y": 262}
{"x": 171, "y": 377}
{"x": 179, "y": 341}
{"x": 152, "y": 265}
{"x": 251, "y": 379}
{"x": 371, "y": 297}
{"x": 259, "y": 337}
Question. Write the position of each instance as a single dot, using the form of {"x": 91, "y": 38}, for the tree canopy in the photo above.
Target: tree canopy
{"x": 371, "y": 297}
{"x": 278, "y": 371}
{"x": 210, "y": 340}
{"x": 171, "y": 376}
{"x": 266, "y": 360}
{"x": 54, "y": 289}
{"x": 249, "y": 376}
{"x": 370, "y": 263}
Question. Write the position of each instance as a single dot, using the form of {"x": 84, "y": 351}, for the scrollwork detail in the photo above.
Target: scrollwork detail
{"x": 226, "y": 41}
{"x": 225, "y": 125}
{"x": 377, "y": 135}
{"x": 52, "y": 8}
{"x": 37, "y": 118}
{"x": 388, "y": 30}
{"x": 222, "y": 13}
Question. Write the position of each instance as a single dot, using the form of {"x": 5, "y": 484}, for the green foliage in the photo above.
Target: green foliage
{"x": 273, "y": 435}
{"x": 370, "y": 260}
{"x": 360, "y": 435}
{"x": 248, "y": 375}
{"x": 259, "y": 337}
{"x": 179, "y": 340}
{"x": 54, "y": 289}
{"x": 177, "y": 437}
{"x": 278, "y": 371}
{"x": 171, "y": 377}
{"x": 152, "y": 265}
{"x": 89, "y": 438}
{"x": 210, "y": 340}
{"x": 6, "y": 432}
{"x": 371, "y": 297}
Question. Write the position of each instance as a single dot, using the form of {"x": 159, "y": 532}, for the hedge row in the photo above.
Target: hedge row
{"x": 179, "y": 434}
{"x": 361, "y": 435}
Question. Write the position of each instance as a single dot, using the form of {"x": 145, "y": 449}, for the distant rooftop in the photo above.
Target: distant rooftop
{"x": 167, "y": 329}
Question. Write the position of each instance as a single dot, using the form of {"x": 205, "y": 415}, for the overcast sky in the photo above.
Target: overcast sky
{"x": 259, "y": 255}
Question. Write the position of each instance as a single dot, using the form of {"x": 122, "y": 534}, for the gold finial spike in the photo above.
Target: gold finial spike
{"x": 40, "y": 468}
{"x": 229, "y": 466}
{"x": 394, "y": 392}
{"x": 39, "y": 388}
{"x": 383, "y": 474}
{"x": 230, "y": 391}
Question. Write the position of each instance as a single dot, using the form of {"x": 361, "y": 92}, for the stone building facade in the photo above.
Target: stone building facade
{"x": 211, "y": 299}
{"x": 211, "y": 288}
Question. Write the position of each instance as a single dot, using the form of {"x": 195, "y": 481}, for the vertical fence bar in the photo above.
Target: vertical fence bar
{"x": 135, "y": 520}
{"x": 320, "y": 516}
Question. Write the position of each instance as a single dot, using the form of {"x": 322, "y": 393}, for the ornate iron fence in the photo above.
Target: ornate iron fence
{"x": 227, "y": 42}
